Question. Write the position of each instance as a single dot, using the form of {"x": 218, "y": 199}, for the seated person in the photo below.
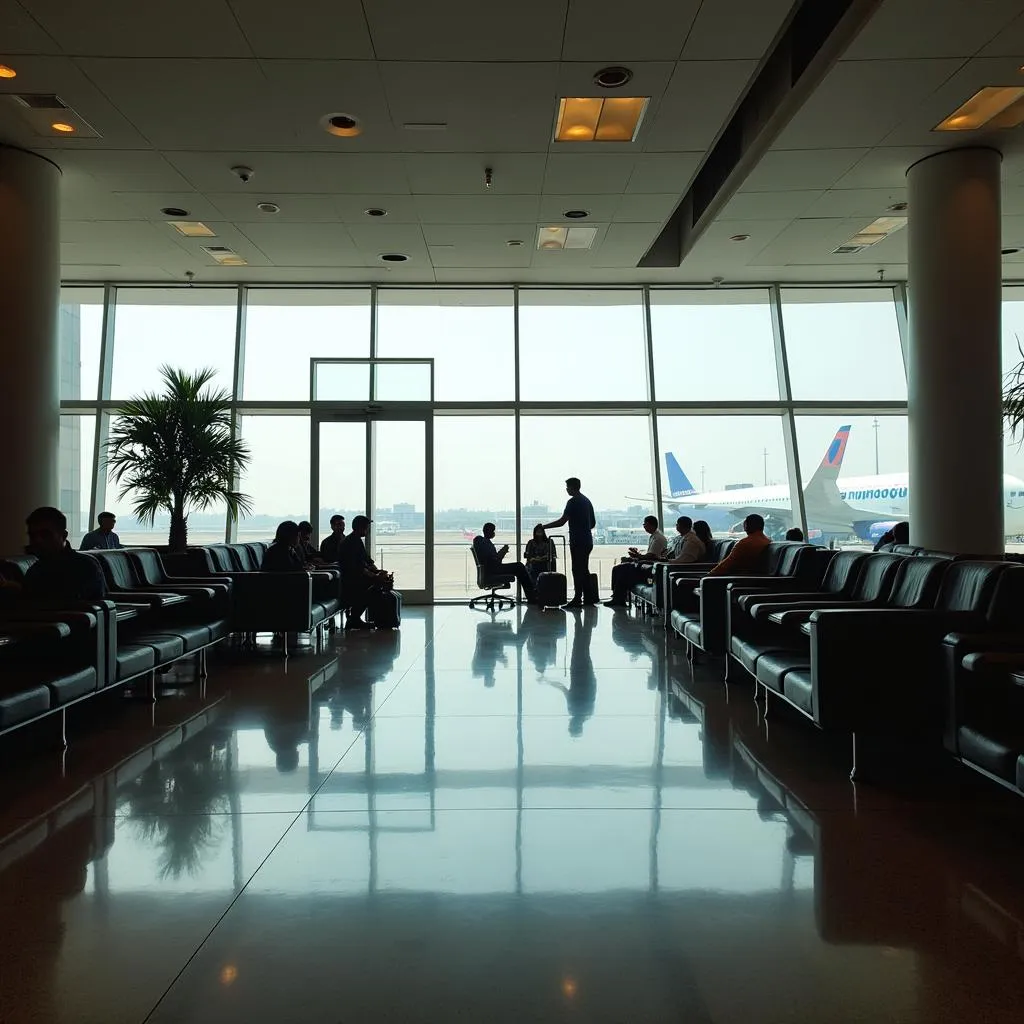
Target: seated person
{"x": 626, "y": 574}
{"x": 491, "y": 563}
{"x": 307, "y": 550}
{"x": 656, "y": 546}
{"x": 60, "y": 573}
{"x": 703, "y": 532}
{"x": 748, "y": 554}
{"x": 899, "y": 534}
{"x": 103, "y": 539}
{"x": 283, "y": 555}
{"x": 794, "y": 533}
{"x": 359, "y": 572}
{"x": 331, "y": 544}
{"x": 540, "y": 554}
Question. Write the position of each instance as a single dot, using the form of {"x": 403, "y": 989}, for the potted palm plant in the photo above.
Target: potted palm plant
{"x": 178, "y": 452}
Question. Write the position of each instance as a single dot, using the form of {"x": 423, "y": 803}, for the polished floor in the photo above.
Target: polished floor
{"x": 526, "y": 817}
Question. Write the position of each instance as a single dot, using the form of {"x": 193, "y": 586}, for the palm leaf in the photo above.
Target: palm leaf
{"x": 1013, "y": 397}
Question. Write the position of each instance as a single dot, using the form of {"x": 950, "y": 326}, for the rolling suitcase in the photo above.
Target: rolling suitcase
{"x": 551, "y": 589}
{"x": 591, "y": 592}
{"x": 384, "y": 609}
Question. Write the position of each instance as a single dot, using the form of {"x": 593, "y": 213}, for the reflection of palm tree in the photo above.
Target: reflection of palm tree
{"x": 174, "y": 802}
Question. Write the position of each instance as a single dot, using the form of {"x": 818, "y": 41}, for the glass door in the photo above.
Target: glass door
{"x": 376, "y": 462}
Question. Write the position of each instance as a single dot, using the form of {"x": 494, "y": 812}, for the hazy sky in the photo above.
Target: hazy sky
{"x": 592, "y": 352}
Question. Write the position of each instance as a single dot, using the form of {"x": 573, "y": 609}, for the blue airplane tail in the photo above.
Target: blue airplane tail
{"x": 678, "y": 482}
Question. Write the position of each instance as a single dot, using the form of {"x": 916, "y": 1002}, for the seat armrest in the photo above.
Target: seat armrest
{"x": 762, "y": 610}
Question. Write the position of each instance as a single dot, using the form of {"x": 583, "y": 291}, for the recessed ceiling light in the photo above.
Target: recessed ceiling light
{"x": 991, "y": 107}
{"x": 613, "y": 77}
{"x": 514, "y": 243}
{"x": 393, "y": 257}
{"x": 7, "y": 72}
{"x": 738, "y": 238}
{"x": 192, "y": 228}
{"x": 596, "y": 119}
{"x": 344, "y": 125}
{"x": 1010, "y": 251}
{"x": 576, "y": 214}
{"x": 376, "y": 211}
{"x": 63, "y": 127}
{"x": 268, "y": 207}
{"x": 176, "y": 212}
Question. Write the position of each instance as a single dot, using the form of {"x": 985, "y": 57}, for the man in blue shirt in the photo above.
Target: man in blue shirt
{"x": 490, "y": 559}
{"x": 579, "y": 514}
{"x": 103, "y": 539}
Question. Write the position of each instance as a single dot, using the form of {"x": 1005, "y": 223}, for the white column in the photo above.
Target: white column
{"x": 29, "y": 368}
{"x": 954, "y": 371}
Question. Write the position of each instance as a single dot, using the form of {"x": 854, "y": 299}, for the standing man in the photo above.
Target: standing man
{"x": 103, "y": 539}
{"x": 579, "y": 514}
{"x": 330, "y": 546}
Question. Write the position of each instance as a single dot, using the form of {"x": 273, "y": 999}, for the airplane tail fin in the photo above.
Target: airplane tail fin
{"x": 678, "y": 482}
{"x": 833, "y": 460}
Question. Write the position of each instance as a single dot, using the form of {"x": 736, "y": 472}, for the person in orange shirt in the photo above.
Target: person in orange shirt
{"x": 746, "y": 557}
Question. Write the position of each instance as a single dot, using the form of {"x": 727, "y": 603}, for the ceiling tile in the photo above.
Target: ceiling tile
{"x": 313, "y": 29}
{"x": 924, "y": 28}
{"x": 602, "y": 32}
{"x": 856, "y": 202}
{"x": 294, "y": 172}
{"x": 147, "y": 205}
{"x": 860, "y": 102}
{"x": 684, "y": 122}
{"x": 119, "y": 28}
{"x": 463, "y": 173}
{"x": 599, "y": 208}
{"x": 485, "y": 209}
{"x": 768, "y": 205}
{"x": 375, "y": 237}
{"x": 587, "y": 174}
{"x": 491, "y": 107}
{"x": 294, "y": 209}
{"x": 125, "y": 171}
{"x": 786, "y": 169}
{"x": 401, "y": 209}
{"x": 309, "y": 245}
{"x": 195, "y": 104}
{"x": 646, "y": 208}
{"x": 724, "y": 257}
{"x": 480, "y": 245}
{"x": 19, "y": 33}
{"x": 664, "y": 172}
{"x": 461, "y": 30}
{"x": 729, "y": 29}
{"x": 624, "y": 244}
{"x": 884, "y": 167}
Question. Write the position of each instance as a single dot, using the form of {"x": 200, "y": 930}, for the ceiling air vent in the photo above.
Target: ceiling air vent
{"x": 847, "y": 250}
{"x": 224, "y": 255}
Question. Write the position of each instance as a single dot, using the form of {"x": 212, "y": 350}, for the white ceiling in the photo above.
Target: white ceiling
{"x": 181, "y": 92}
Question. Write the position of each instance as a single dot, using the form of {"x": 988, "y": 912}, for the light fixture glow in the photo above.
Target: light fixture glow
{"x": 63, "y": 127}
{"x": 993, "y": 107}
{"x": 557, "y": 236}
{"x": 599, "y": 119}
{"x": 7, "y": 72}
{"x": 192, "y": 228}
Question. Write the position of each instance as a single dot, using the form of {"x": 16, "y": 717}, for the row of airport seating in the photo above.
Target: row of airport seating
{"x": 905, "y": 651}
{"x": 54, "y": 655}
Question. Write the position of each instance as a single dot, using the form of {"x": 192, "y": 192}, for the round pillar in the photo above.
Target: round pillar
{"x": 954, "y": 366}
{"x": 29, "y": 374}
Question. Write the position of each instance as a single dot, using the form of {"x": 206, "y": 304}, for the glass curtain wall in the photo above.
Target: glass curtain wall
{"x": 650, "y": 395}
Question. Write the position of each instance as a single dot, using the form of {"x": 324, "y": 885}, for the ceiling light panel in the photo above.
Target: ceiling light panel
{"x": 555, "y": 237}
{"x": 993, "y": 107}
{"x": 879, "y": 229}
{"x": 193, "y": 228}
{"x": 599, "y": 119}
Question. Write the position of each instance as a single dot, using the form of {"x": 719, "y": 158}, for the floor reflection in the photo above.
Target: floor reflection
{"x": 594, "y": 830}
